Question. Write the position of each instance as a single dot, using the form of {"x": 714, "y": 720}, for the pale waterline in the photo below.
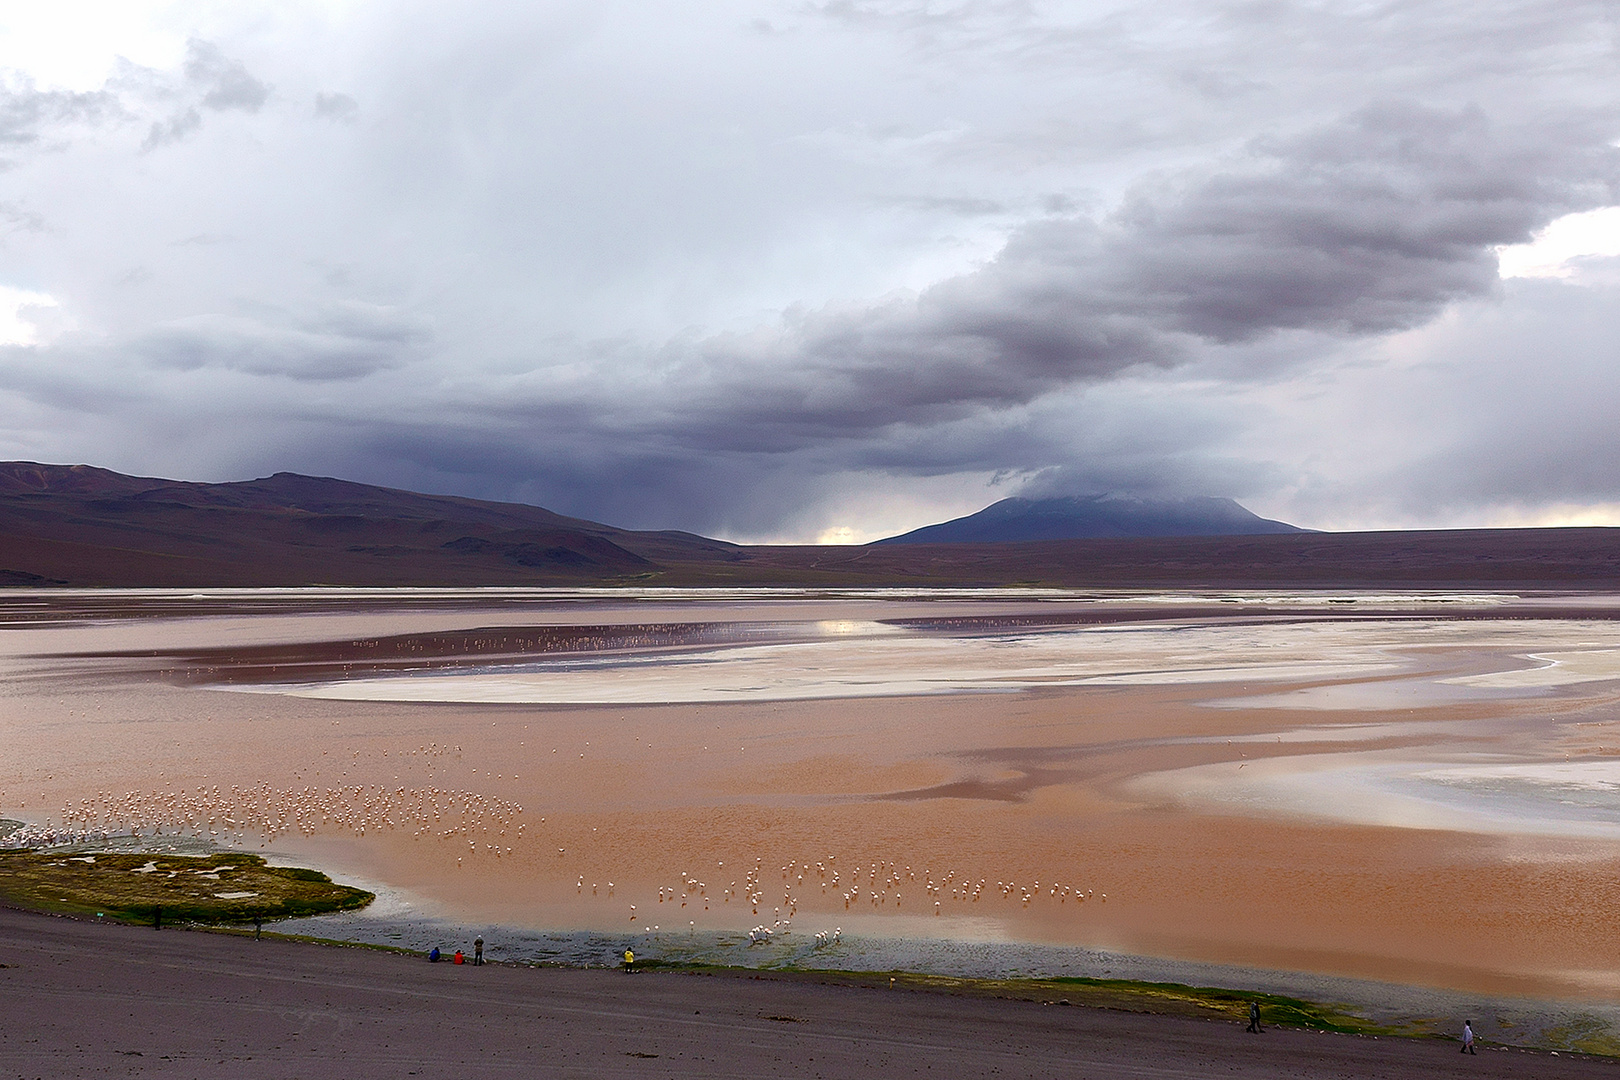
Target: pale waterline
{"x": 1571, "y": 800}
{"x": 863, "y": 658}
{"x": 886, "y": 662}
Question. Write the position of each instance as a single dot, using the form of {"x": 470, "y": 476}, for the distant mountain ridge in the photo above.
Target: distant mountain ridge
{"x": 1096, "y": 517}
{"x": 78, "y": 523}
{"x": 84, "y": 527}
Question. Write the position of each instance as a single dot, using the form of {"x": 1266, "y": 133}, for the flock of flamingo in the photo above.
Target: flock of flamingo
{"x": 237, "y": 815}
{"x": 494, "y": 827}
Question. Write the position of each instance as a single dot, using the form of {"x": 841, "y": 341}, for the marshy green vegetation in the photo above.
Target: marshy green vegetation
{"x": 1162, "y": 999}
{"x": 140, "y": 887}
{"x": 1172, "y": 999}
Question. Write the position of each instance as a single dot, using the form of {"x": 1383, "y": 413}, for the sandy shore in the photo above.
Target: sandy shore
{"x": 83, "y": 999}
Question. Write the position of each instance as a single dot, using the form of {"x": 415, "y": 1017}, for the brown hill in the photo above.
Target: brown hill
{"x": 86, "y": 526}
{"x": 82, "y": 526}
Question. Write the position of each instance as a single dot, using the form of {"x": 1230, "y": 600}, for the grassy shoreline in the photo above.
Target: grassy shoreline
{"x": 1125, "y": 995}
{"x": 148, "y": 887}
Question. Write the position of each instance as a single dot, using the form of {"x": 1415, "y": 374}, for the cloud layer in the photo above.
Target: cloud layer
{"x": 770, "y": 269}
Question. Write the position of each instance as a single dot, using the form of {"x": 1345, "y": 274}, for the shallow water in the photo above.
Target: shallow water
{"x": 1317, "y": 783}
{"x": 865, "y": 658}
{"x": 873, "y": 660}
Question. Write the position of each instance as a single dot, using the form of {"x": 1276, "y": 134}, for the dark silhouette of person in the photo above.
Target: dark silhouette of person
{"x": 1254, "y": 1017}
{"x": 478, "y": 951}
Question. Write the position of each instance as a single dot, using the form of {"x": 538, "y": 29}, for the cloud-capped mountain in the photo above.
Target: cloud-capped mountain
{"x": 1086, "y": 517}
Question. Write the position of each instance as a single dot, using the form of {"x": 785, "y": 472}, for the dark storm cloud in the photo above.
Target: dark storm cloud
{"x": 1365, "y": 226}
{"x": 664, "y": 267}
{"x": 337, "y": 344}
{"x": 1370, "y": 224}
{"x": 572, "y": 460}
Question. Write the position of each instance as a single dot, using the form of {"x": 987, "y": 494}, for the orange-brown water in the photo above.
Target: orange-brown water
{"x": 1292, "y": 789}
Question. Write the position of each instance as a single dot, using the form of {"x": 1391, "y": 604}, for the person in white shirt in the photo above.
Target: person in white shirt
{"x": 1468, "y": 1037}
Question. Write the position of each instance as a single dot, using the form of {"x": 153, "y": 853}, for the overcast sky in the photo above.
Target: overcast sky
{"x": 795, "y": 270}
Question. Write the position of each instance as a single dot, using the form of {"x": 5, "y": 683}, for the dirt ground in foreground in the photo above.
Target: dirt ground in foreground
{"x": 84, "y": 999}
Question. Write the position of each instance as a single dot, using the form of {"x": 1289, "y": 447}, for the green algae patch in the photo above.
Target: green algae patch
{"x": 1275, "y": 1009}
{"x": 1161, "y": 999}
{"x": 226, "y": 888}
{"x": 1587, "y": 1034}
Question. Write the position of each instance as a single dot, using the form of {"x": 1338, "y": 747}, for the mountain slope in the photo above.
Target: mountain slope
{"x": 91, "y": 526}
{"x": 1092, "y": 517}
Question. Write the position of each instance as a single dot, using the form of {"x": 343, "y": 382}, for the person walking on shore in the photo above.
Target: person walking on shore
{"x": 1254, "y": 1017}
{"x": 1468, "y": 1037}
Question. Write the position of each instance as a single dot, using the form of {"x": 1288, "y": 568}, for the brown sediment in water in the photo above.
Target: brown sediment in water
{"x": 922, "y": 794}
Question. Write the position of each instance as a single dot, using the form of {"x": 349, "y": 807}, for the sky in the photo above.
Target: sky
{"x": 825, "y": 271}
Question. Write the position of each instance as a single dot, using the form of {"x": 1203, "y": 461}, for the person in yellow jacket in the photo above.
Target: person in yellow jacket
{"x": 629, "y": 961}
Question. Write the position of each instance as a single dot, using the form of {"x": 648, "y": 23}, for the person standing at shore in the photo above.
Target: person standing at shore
{"x": 1468, "y": 1037}
{"x": 1254, "y": 1017}
{"x": 478, "y": 951}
